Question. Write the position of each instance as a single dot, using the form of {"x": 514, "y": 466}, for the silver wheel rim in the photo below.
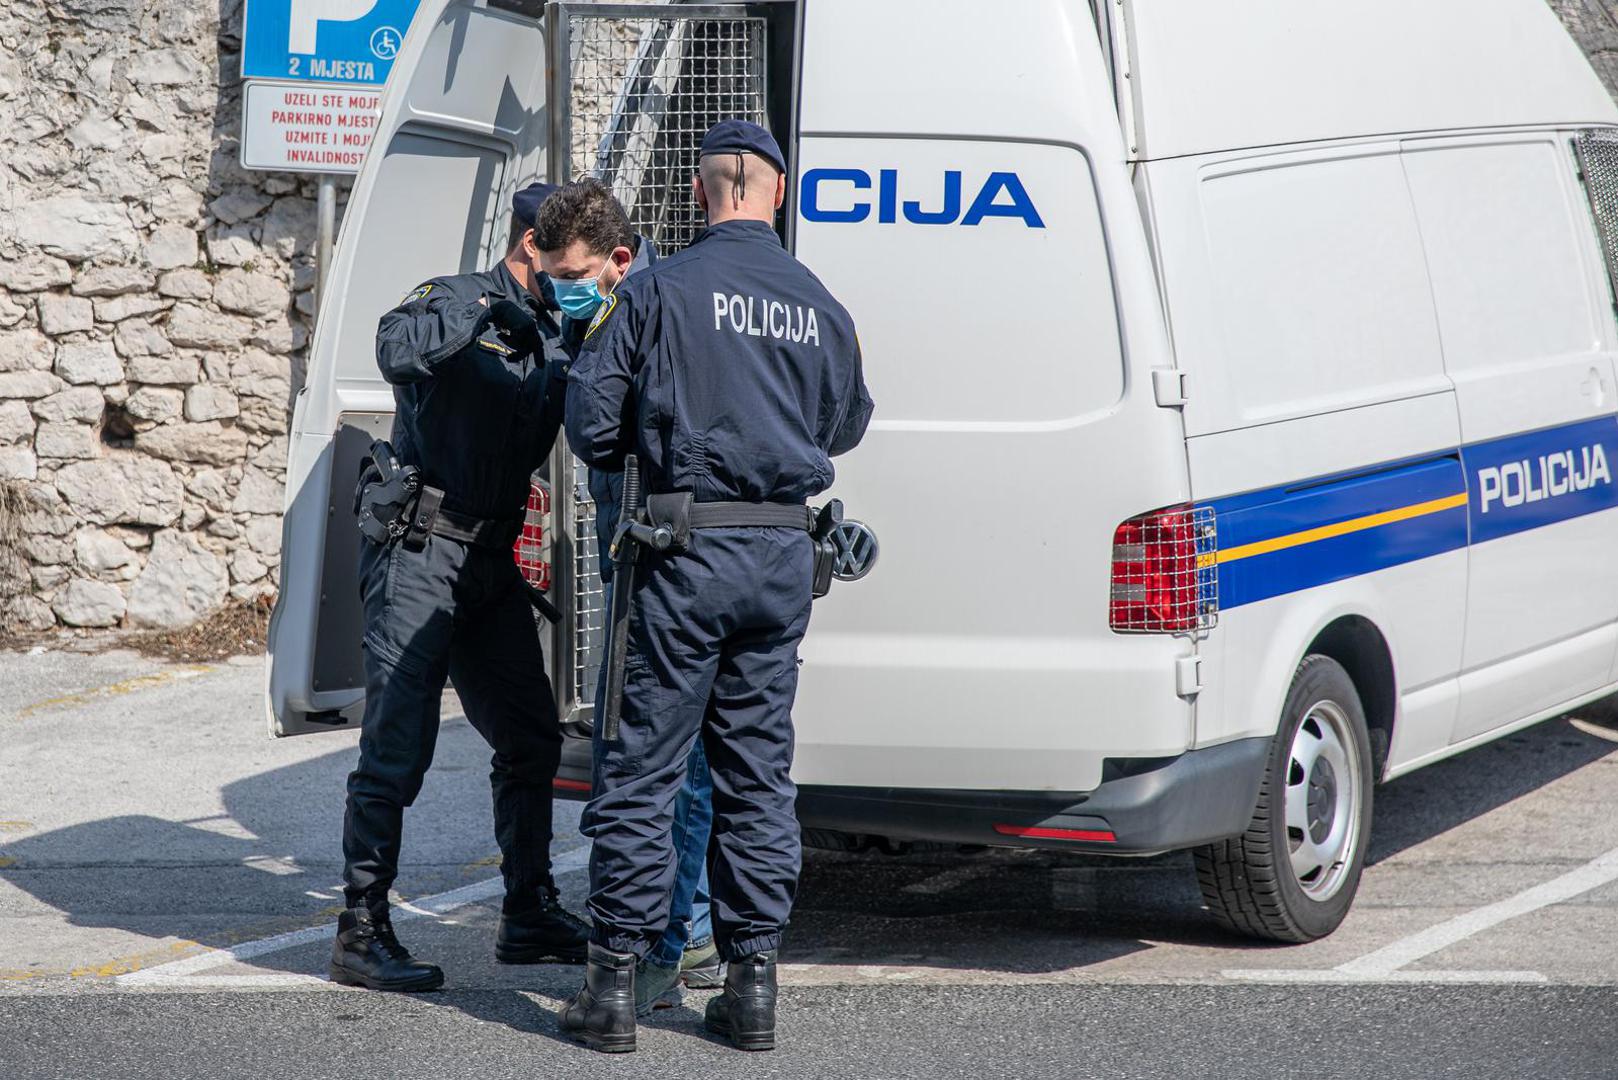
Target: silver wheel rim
{"x": 1322, "y": 800}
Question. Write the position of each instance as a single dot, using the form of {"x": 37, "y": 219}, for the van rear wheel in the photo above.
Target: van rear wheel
{"x": 1293, "y": 874}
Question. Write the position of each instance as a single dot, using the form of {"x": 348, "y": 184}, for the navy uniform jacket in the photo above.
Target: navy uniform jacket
{"x": 728, "y": 368}
{"x": 605, "y": 486}
{"x": 474, "y": 414}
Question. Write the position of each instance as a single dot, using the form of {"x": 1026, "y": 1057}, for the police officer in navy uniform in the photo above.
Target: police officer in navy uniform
{"x": 477, "y": 372}
{"x": 735, "y": 376}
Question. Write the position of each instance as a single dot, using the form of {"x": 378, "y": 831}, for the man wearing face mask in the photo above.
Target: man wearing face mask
{"x": 476, "y": 366}
{"x": 587, "y": 248}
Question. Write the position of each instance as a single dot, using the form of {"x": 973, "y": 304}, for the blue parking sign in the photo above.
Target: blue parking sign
{"x": 338, "y": 41}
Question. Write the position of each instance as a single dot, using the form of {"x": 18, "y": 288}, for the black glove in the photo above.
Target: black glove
{"x": 517, "y": 326}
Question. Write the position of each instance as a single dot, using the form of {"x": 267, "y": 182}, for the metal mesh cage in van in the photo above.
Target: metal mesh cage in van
{"x": 644, "y": 92}
{"x": 1598, "y": 163}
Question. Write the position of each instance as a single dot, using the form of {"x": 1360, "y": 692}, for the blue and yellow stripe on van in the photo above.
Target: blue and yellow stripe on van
{"x": 1313, "y": 532}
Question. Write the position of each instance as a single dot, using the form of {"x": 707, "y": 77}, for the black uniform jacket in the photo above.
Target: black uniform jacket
{"x": 475, "y": 414}
{"x": 728, "y": 368}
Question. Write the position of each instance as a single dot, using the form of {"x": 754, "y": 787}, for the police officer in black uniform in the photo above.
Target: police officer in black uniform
{"x": 734, "y": 376}
{"x": 477, "y": 372}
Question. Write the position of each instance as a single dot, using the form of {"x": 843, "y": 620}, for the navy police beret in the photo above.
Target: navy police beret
{"x": 740, "y": 136}
{"x": 525, "y": 204}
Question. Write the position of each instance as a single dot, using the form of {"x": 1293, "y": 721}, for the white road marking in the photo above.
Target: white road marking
{"x": 1384, "y": 964}
{"x": 1380, "y": 966}
{"x": 223, "y": 825}
{"x": 1405, "y": 951}
{"x": 280, "y": 865}
{"x": 277, "y": 981}
{"x": 185, "y": 973}
{"x": 1599, "y": 731}
{"x": 1334, "y": 976}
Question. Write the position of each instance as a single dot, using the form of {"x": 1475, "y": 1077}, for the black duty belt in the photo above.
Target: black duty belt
{"x": 428, "y": 516}
{"x": 742, "y": 515}
{"x": 498, "y": 534}
{"x": 480, "y": 532}
{"x": 393, "y": 506}
{"x": 666, "y": 521}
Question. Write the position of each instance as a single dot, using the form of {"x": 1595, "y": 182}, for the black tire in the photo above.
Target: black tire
{"x": 1249, "y": 882}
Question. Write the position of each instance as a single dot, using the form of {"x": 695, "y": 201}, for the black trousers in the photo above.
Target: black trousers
{"x": 459, "y": 612}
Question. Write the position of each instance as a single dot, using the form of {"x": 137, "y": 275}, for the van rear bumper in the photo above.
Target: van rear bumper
{"x": 1158, "y": 804}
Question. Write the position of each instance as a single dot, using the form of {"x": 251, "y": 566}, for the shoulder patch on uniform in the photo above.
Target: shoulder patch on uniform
{"x": 417, "y": 294}
{"x": 607, "y": 307}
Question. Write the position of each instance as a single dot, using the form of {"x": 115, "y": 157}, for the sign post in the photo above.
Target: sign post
{"x": 312, "y": 73}
{"x": 326, "y": 225}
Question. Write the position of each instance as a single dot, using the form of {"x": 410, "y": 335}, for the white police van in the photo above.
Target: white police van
{"x": 1245, "y": 387}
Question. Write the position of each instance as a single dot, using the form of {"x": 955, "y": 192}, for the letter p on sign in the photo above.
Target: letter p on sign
{"x": 307, "y": 15}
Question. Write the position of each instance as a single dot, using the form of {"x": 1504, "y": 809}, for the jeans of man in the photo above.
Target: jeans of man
{"x": 690, "y": 917}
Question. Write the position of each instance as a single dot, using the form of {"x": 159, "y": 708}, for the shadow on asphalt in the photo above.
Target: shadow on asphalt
{"x": 175, "y": 878}
{"x": 509, "y": 1009}
{"x": 1417, "y": 807}
{"x": 1019, "y": 912}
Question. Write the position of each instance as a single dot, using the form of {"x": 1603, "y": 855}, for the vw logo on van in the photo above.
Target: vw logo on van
{"x": 857, "y": 550}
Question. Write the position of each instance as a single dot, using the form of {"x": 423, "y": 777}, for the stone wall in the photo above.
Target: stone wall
{"x": 1594, "y": 24}
{"x": 154, "y": 311}
{"x": 155, "y": 302}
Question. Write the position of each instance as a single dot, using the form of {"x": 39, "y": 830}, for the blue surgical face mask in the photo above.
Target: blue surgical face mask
{"x": 581, "y": 298}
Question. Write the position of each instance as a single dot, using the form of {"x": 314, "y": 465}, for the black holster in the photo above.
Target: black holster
{"x": 672, "y": 512}
{"x": 826, "y": 519}
{"x": 420, "y": 524}
{"x": 386, "y": 495}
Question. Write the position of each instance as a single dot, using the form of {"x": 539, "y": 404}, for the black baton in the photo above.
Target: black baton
{"x": 624, "y": 550}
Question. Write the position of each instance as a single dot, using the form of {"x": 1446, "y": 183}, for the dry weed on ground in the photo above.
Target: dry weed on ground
{"x": 237, "y": 629}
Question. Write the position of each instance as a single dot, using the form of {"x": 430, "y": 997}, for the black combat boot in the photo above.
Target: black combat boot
{"x": 602, "y": 1014}
{"x": 745, "y": 1012}
{"x": 366, "y": 953}
{"x": 535, "y": 927}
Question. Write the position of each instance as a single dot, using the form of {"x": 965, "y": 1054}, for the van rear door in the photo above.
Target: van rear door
{"x": 963, "y": 189}
{"x": 462, "y": 125}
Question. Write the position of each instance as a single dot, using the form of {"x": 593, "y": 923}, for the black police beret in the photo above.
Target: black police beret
{"x": 740, "y": 136}
{"x": 525, "y": 204}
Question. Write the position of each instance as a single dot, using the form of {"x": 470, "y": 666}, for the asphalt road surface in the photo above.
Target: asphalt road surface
{"x": 168, "y": 879}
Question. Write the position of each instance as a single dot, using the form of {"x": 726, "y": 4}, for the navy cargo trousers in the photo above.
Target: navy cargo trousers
{"x": 714, "y": 634}
{"x": 457, "y": 611}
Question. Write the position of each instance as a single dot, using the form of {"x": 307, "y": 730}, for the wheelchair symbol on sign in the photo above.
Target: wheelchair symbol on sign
{"x": 385, "y": 43}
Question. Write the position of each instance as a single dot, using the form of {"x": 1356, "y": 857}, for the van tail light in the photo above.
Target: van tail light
{"x": 1165, "y": 572}
{"x": 532, "y": 551}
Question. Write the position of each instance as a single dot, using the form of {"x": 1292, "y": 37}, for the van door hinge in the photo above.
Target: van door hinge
{"x": 1168, "y": 384}
{"x": 1188, "y": 676}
